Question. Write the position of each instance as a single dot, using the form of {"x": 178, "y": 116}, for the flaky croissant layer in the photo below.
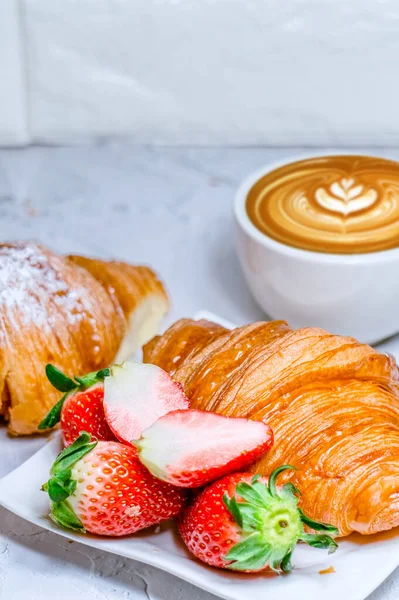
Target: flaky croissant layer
{"x": 332, "y": 402}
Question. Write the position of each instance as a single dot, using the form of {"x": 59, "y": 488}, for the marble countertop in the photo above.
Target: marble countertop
{"x": 171, "y": 208}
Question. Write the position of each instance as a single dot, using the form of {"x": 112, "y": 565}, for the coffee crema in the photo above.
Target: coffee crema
{"x": 335, "y": 204}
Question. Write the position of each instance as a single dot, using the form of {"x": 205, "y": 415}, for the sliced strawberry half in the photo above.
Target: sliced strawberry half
{"x": 190, "y": 448}
{"x": 136, "y": 395}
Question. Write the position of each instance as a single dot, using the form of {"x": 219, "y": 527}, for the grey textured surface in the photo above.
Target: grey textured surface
{"x": 171, "y": 208}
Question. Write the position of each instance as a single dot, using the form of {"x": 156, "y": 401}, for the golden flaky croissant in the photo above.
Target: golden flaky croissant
{"x": 74, "y": 312}
{"x": 332, "y": 403}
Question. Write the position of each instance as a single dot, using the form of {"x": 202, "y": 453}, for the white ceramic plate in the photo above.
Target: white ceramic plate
{"x": 361, "y": 564}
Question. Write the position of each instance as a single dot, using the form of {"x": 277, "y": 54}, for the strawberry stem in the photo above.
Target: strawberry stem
{"x": 271, "y": 524}
{"x": 87, "y": 381}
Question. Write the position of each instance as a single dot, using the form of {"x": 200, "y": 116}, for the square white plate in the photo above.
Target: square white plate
{"x": 361, "y": 563}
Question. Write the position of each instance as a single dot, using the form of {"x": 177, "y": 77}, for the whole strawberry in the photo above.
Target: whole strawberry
{"x": 101, "y": 487}
{"x": 80, "y": 408}
{"x": 246, "y": 523}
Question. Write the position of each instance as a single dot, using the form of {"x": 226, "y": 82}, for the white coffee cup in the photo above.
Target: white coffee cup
{"x": 356, "y": 295}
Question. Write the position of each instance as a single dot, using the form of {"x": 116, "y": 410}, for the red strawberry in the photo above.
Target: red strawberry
{"x": 102, "y": 488}
{"x": 136, "y": 395}
{"x": 190, "y": 448}
{"x": 80, "y": 408}
{"x": 246, "y": 523}
{"x": 84, "y": 411}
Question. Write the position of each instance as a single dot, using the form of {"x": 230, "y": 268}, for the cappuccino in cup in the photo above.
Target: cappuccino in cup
{"x": 332, "y": 204}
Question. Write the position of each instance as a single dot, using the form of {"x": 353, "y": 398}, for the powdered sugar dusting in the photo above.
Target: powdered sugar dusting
{"x": 28, "y": 280}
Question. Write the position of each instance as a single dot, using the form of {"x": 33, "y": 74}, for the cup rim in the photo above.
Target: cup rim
{"x": 292, "y": 251}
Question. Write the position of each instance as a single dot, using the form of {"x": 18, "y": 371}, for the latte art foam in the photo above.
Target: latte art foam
{"x": 338, "y": 204}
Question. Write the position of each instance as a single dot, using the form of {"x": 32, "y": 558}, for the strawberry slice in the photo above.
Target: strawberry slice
{"x": 136, "y": 395}
{"x": 190, "y": 448}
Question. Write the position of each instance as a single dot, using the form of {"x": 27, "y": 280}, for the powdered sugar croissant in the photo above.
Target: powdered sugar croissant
{"x": 332, "y": 403}
{"x": 76, "y": 313}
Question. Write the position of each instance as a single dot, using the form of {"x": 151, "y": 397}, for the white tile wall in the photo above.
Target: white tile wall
{"x": 209, "y": 71}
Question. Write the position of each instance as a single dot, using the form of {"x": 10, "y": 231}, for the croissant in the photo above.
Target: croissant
{"x": 332, "y": 402}
{"x": 77, "y": 313}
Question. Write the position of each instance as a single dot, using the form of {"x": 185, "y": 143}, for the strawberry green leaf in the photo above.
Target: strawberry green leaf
{"x": 291, "y": 489}
{"x": 59, "y": 490}
{"x": 316, "y": 525}
{"x": 251, "y": 517}
{"x": 255, "y": 478}
{"x": 54, "y": 416}
{"x": 273, "y": 477}
{"x": 276, "y": 559}
{"x": 69, "y": 456}
{"x": 320, "y": 540}
{"x": 263, "y": 491}
{"x": 286, "y": 565}
{"x": 103, "y": 373}
{"x": 62, "y": 514}
{"x": 64, "y": 476}
{"x": 249, "y": 493}
{"x": 256, "y": 561}
{"x": 232, "y": 506}
{"x": 247, "y": 548}
{"x": 59, "y": 380}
